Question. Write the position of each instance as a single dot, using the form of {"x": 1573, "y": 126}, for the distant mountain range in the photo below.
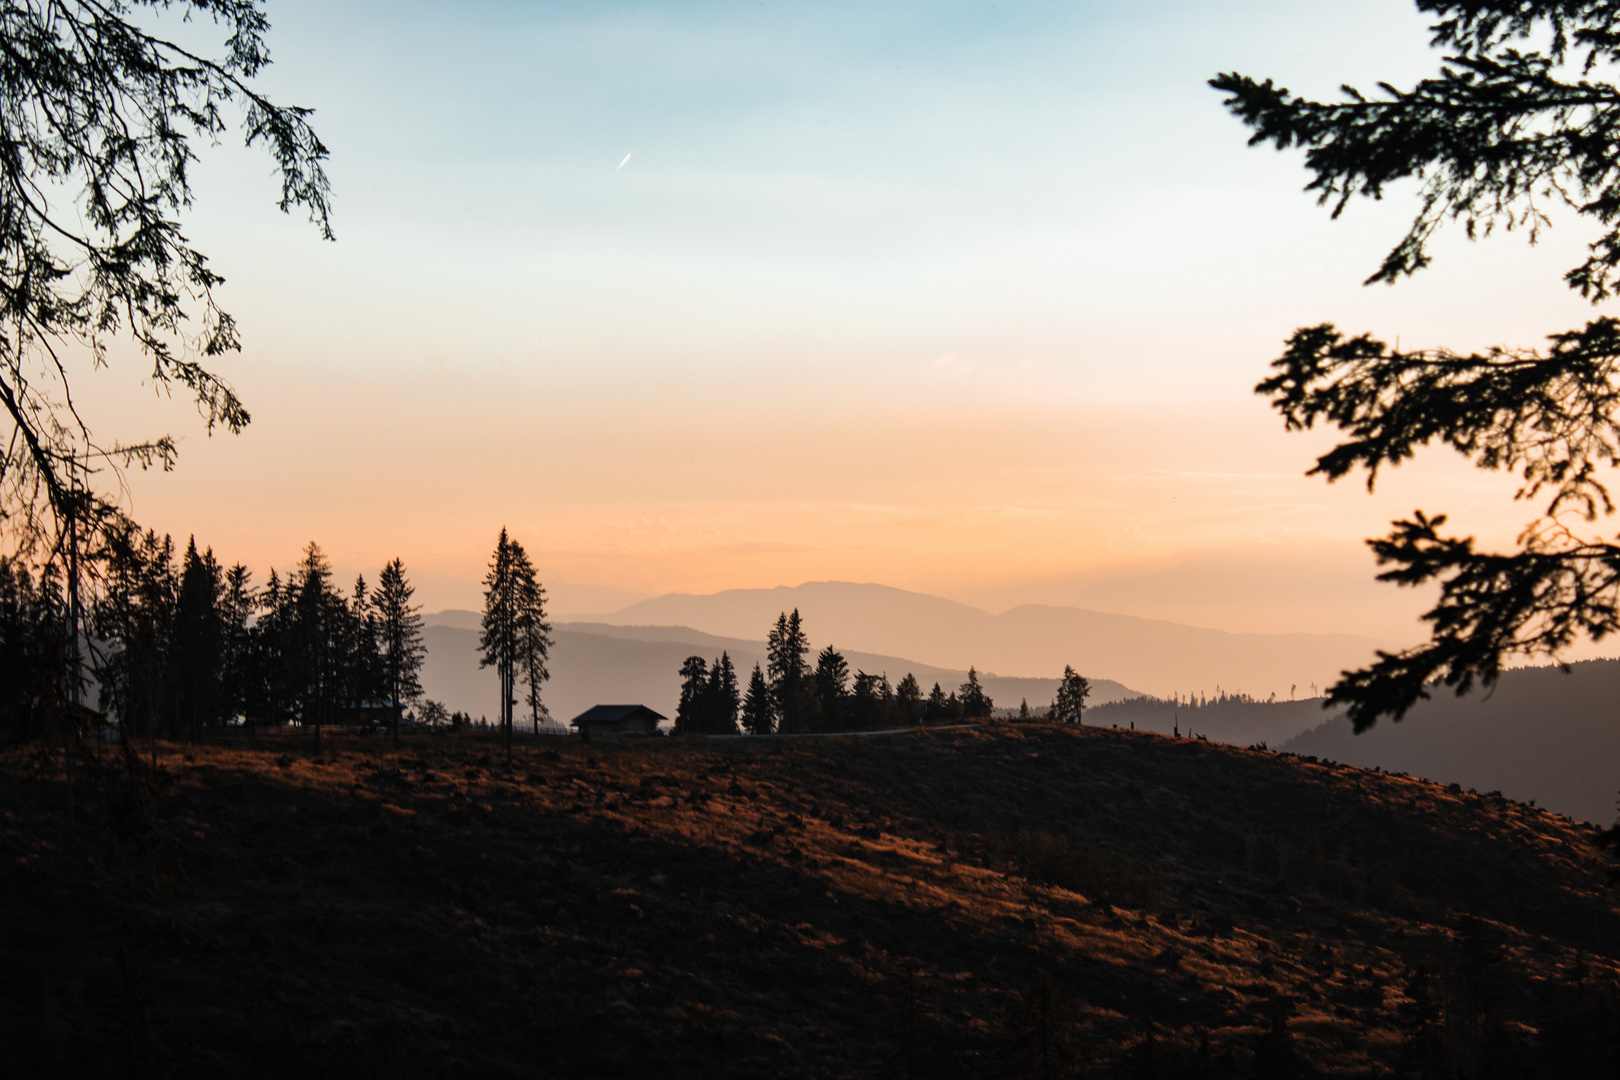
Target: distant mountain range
{"x": 1032, "y": 640}
{"x": 594, "y": 663}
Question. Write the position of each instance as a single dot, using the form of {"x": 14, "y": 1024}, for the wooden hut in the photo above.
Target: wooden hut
{"x": 607, "y": 721}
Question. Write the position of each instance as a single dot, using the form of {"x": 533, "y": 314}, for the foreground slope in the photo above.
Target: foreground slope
{"x": 1541, "y": 734}
{"x": 790, "y": 908}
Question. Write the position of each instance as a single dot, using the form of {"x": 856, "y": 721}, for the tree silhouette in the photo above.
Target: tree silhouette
{"x": 196, "y": 647}
{"x": 33, "y": 642}
{"x": 1515, "y": 121}
{"x": 723, "y": 701}
{"x": 316, "y": 646}
{"x": 792, "y": 693}
{"x": 534, "y": 644}
{"x": 1070, "y": 706}
{"x": 832, "y": 688}
{"x": 238, "y": 603}
{"x": 515, "y": 638}
{"x": 500, "y": 640}
{"x": 694, "y": 692}
{"x": 975, "y": 703}
{"x": 98, "y": 116}
{"x": 908, "y": 700}
{"x": 399, "y": 637}
{"x": 757, "y": 712}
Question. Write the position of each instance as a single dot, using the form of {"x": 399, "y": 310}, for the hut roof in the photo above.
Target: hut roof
{"x": 612, "y": 714}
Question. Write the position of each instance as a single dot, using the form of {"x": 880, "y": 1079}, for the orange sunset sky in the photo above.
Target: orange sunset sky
{"x": 962, "y": 299}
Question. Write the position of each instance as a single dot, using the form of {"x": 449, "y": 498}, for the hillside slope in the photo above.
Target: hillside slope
{"x": 1155, "y": 656}
{"x": 837, "y": 907}
{"x": 1541, "y": 735}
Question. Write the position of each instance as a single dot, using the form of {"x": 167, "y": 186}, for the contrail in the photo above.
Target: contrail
{"x": 621, "y": 164}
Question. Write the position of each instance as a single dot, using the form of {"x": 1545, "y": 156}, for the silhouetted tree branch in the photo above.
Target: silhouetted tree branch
{"x": 1515, "y": 122}
{"x": 98, "y": 118}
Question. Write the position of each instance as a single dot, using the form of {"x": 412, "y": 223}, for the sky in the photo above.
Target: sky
{"x": 963, "y": 298}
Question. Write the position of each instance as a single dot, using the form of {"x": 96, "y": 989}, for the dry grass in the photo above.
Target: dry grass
{"x": 834, "y": 907}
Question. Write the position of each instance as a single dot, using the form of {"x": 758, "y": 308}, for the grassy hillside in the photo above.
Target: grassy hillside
{"x": 1542, "y": 734}
{"x": 837, "y": 907}
{"x": 1233, "y": 720}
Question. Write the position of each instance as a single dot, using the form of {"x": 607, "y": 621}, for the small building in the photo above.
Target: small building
{"x": 606, "y": 721}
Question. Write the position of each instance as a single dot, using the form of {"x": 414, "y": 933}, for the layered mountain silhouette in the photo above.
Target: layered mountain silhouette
{"x": 594, "y": 663}
{"x": 1032, "y": 640}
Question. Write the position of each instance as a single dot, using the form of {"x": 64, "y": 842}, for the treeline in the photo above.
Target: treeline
{"x": 1145, "y": 704}
{"x": 172, "y": 644}
{"x": 790, "y": 696}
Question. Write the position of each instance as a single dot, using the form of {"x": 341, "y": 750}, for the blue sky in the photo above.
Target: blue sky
{"x": 968, "y": 298}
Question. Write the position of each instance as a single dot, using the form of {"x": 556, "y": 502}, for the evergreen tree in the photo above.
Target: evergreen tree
{"x": 722, "y": 699}
{"x": 871, "y": 704}
{"x": 757, "y": 711}
{"x": 792, "y": 693}
{"x": 196, "y": 645}
{"x": 33, "y": 645}
{"x": 1070, "y": 706}
{"x": 315, "y": 646}
{"x": 694, "y": 695}
{"x": 975, "y": 703}
{"x": 501, "y": 640}
{"x": 134, "y": 618}
{"x": 534, "y": 632}
{"x": 832, "y": 689}
{"x": 363, "y": 679}
{"x": 270, "y": 662}
{"x": 237, "y": 606}
{"x": 938, "y": 707}
{"x": 908, "y": 700}
{"x": 399, "y": 638}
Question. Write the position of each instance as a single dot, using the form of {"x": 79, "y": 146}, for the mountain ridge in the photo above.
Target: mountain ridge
{"x": 1027, "y": 640}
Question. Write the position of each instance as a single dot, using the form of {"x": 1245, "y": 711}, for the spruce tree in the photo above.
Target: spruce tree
{"x": 976, "y": 704}
{"x": 1070, "y": 706}
{"x": 757, "y": 712}
{"x": 236, "y": 610}
{"x": 792, "y": 693}
{"x": 722, "y": 701}
{"x": 500, "y": 642}
{"x": 694, "y": 694}
{"x": 399, "y": 638}
{"x": 315, "y": 645}
{"x": 195, "y": 649}
{"x": 534, "y": 631}
{"x": 832, "y": 689}
{"x": 908, "y": 700}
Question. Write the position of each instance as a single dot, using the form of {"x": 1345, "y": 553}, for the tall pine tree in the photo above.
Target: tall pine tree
{"x": 792, "y": 693}
{"x": 757, "y": 712}
{"x": 399, "y": 638}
